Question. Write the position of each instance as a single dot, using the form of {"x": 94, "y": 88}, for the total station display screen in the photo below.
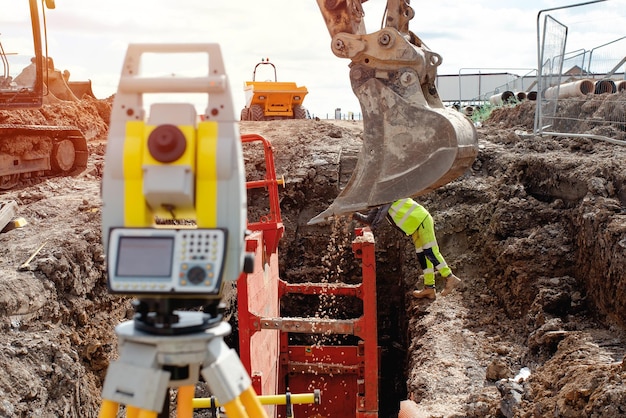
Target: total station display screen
{"x": 145, "y": 257}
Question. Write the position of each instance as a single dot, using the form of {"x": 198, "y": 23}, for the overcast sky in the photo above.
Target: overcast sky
{"x": 89, "y": 37}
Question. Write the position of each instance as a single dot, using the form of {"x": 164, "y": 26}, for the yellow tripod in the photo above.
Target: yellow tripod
{"x": 149, "y": 364}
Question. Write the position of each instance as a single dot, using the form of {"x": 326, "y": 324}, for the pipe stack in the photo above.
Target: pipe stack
{"x": 501, "y": 98}
{"x": 605, "y": 86}
{"x": 568, "y": 90}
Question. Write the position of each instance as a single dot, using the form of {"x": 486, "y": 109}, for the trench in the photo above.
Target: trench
{"x": 337, "y": 264}
{"x": 323, "y": 254}
{"x": 547, "y": 186}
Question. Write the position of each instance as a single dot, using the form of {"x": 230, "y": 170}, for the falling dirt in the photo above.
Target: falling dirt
{"x": 536, "y": 229}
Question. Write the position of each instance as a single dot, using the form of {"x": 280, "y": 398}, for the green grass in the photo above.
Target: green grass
{"x": 482, "y": 114}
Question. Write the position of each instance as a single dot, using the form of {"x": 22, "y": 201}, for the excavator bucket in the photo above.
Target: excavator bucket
{"x": 407, "y": 151}
{"x": 412, "y": 143}
{"x": 57, "y": 85}
{"x": 81, "y": 88}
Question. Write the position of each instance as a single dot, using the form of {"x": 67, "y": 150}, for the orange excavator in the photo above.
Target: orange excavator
{"x": 28, "y": 81}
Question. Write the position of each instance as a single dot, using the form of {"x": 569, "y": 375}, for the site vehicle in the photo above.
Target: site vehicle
{"x": 272, "y": 100}
{"x": 28, "y": 81}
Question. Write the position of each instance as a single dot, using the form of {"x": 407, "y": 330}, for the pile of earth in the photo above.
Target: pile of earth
{"x": 536, "y": 229}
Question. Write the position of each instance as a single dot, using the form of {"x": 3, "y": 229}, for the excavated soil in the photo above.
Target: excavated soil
{"x": 536, "y": 229}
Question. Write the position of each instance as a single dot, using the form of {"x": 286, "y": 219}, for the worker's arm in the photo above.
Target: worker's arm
{"x": 374, "y": 217}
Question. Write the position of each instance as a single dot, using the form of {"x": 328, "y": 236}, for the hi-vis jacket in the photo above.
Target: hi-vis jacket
{"x": 407, "y": 214}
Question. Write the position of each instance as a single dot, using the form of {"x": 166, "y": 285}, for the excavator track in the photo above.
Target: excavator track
{"x": 31, "y": 151}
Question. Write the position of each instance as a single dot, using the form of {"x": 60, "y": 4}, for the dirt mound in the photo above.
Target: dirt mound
{"x": 522, "y": 116}
{"x": 90, "y": 115}
{"x": 595, "y": 115}
{"x": 537, "y": 230}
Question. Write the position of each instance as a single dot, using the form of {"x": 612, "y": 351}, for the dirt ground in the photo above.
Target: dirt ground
{"x": 536, "y": 229}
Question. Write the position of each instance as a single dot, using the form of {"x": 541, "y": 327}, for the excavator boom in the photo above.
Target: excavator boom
{"x": 412, "y": 143}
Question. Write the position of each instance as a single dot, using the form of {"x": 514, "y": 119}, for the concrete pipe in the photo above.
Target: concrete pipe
{"x": 521, "y": 96}
{"x": 605, "y": 86}
{"x": 408, "y": 409}
{"x": 468, "y": 110}
{"x": 532, "y": 95}
{"x": 501, "y": 98}
{"x": 621, "y": 86}
{"x": 574, "y": 89}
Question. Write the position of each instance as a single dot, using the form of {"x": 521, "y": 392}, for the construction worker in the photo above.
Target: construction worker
{"x": 414, "y": 220}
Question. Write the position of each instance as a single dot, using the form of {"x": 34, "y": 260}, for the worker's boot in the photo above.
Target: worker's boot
{"x": 451, "y": 283}
{"x": 427, "y": 292}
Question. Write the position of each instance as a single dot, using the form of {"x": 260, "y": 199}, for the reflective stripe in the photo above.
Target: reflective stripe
{"x": 408, "y": 213}
{"x": 429, "y": 244}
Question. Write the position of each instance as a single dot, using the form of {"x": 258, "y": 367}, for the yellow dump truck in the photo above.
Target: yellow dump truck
{"x": 273, "y": 100}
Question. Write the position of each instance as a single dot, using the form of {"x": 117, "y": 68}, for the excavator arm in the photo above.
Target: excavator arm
{"x": 412, "y": 143}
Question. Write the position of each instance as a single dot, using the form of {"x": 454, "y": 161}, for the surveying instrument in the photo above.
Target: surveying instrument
{"x": 173, "y": 228}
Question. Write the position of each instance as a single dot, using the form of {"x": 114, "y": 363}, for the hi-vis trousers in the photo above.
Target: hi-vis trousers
{"x": 428, "y": 252}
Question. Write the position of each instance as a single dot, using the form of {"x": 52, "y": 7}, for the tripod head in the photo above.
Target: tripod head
{"x": 173, "y": 189}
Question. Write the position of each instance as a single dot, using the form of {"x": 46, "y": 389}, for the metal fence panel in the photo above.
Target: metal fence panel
{"x": 581, "y": 93}
{"x": 550, "y": 70}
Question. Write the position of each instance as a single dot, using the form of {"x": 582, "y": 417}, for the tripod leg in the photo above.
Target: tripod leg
{"x": 108, "y": 409}
{"x": 226, "y": 375}
{"x": 252, "y": 403}
{"x": 184, "y": 403}
{"x": 235, "y": 409}
{"x": 147, "y": 414}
